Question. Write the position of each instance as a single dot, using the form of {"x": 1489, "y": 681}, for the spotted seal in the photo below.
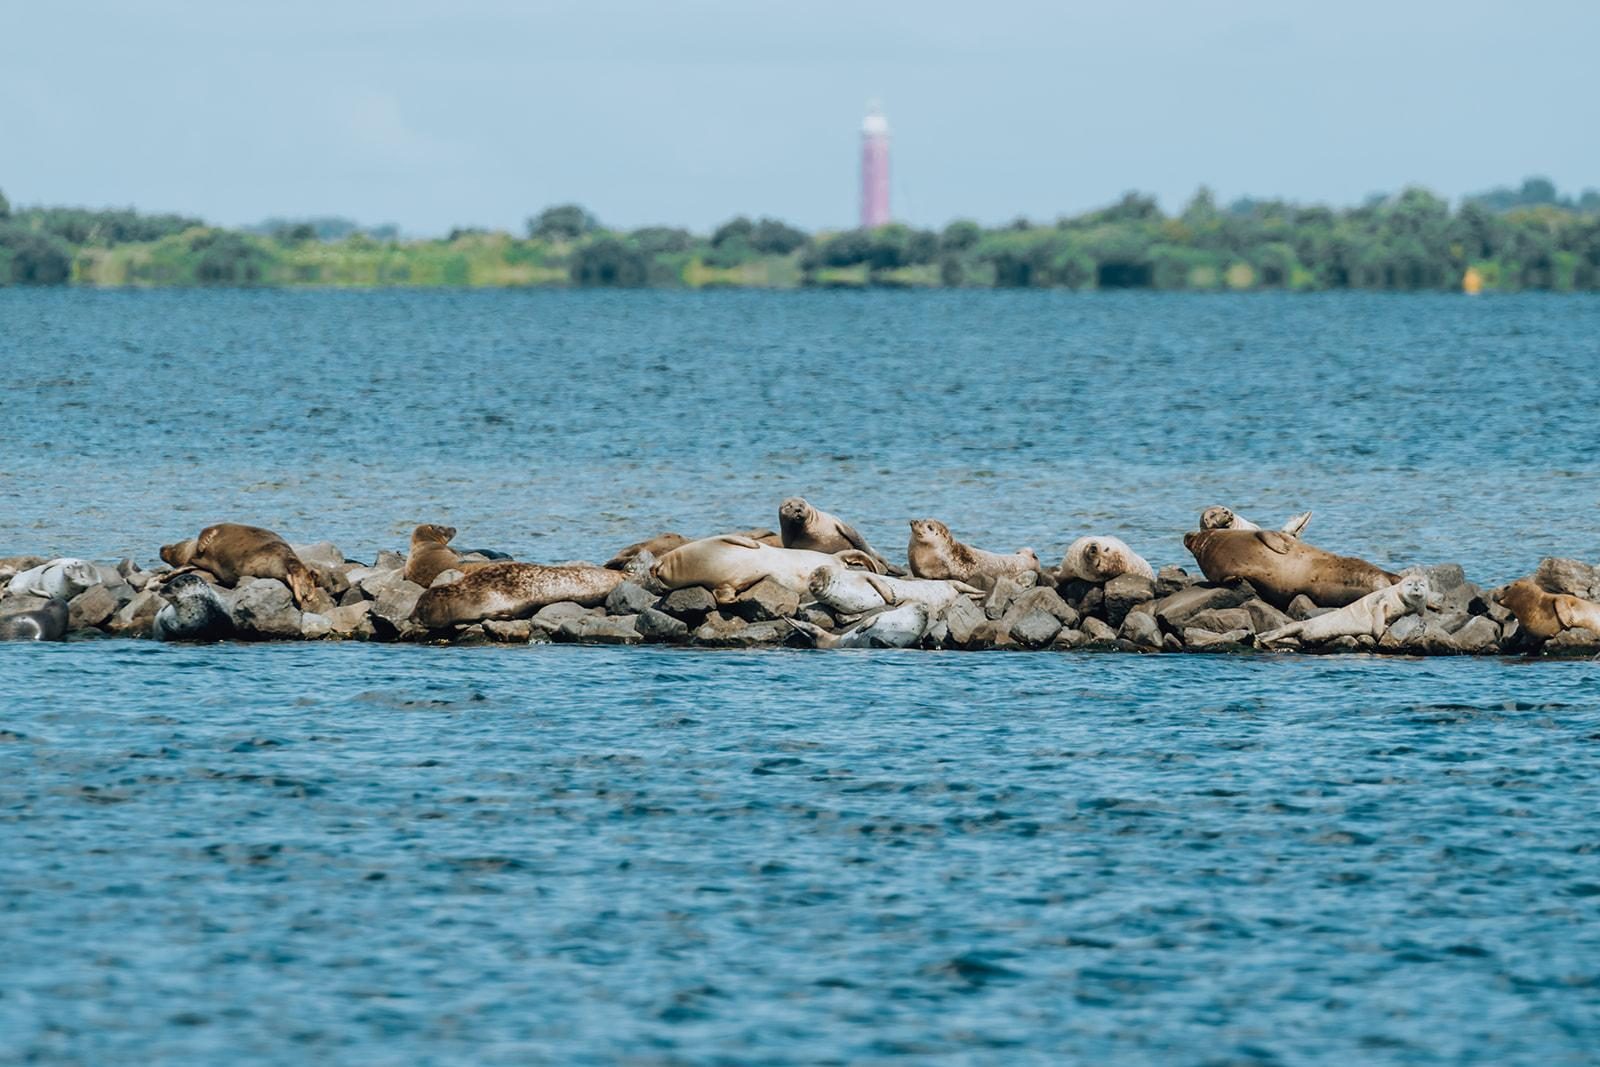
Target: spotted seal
{"x": 48, "y": 622}
{"x": 935, "y": 553}
{"x": 193, "y": 612}
{"x": 513, "y": 590}
{"x": 1281, "y": 568}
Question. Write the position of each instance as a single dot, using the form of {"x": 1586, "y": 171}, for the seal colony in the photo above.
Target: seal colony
{"x": 817, "y": 583}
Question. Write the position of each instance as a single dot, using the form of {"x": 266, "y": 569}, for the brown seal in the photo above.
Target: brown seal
{"x": 803, "y": 526}
{"x": 661, "y": 544}
{"x": 1544, "y": 614}
{"x": 513, "y": 590}
{"x": 431, "y": 555}
{"x": 935, "y": 553}
{"x": 229, "y": 551}
{"x": 1281, "y": 568}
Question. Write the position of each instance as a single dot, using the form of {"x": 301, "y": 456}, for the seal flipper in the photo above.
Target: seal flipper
{"x": 738, "y": 540}
{"x": 818, "y": 636}
{"x": 1275, "y": 541}
{"x": 882, "y": 588}
{"x": 1297, "y": 525}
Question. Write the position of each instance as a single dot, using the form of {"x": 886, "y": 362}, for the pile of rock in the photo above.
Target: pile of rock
{"x": 1173, "y": 612}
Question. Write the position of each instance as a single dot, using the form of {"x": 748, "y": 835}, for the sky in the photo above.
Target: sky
{"x": 688, "y": 112}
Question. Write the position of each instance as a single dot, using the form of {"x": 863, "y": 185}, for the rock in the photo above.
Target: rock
{"x": 1069, "y": 639}
{"x": 351, "y": 620}
{"x": 1450, "y": 622}
{"x": 1574, "y": 642}
{"x": 395, "y": 604}
{"x": 989, "y": 633}
{"x": 1096, "y": 632}
{"x": 1404, "y": 634}
{"x": 656, "y": 625}
{"x": 509, "y": 631}
{"x": 1036, "y": 628}
{"x": 551, "y": 617}
{"x": 817, "y": 615}
{"x": 1045, "y": 599}
{"x": 728, "y": 631}
{"x": 1264, "y": 617}
{"x": 135, "y": 617}
{"x": 1195, "y": 638}
{"x": 1140, "y": 628}
{"x": 446, "y": 577}
{"x": 474, "y": 634}
{"x": 764, "y": 601}
{"x": 1123, "y": 592}
{"x": 332, "y": 579}
{"x": 629, "y": 598}
{"x": 11, "y": 566}
{"x": 15, "y": 605}
{"x": 354, "y": 595}
{"x": 379, "y": 582}
{"x": 1001, "y": 594}
{"x": 1086, "y": 598}
{"x": 1174, "y": 612}
{"x": 963, "y": 618}
{"x": 264, "y": 608}
{"x": 1170, "y": 579}
{"x": 321, "y": 554}
{"x": 1221, "y": 620}
{"x": 319, "y": 602}
{"x": 600, "y": 629}
{"x": 938, "y": 633}
{"x": 1568, "y": 576}
{"x": 90, "y": 608}
{"x": 1171, "y": 642}
{"x": 314, "y": 626}
{"x": 1478, "y": 636}
{"x": 1442, "y": 577}
{"x": 1302, "y": 608}
{"x": 692, "y": 604}
{"x": 1347, "y": 644}
{"x": 389, "y": 561}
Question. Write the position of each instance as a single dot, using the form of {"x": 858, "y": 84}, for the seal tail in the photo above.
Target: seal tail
{"x": 819, "y": 637}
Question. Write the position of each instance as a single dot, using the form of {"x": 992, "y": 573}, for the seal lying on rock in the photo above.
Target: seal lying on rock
{"x": 900, "y": 627}
{"x": 64, "y": 578}
{"x": 1218, "y": 517}
{"x": 230, "y": 551}
{"x": 1100, "y": 559}
{"x": 193, "y": 612}
{"x": 1544, "y": 614}
{"x": 1371, "y": 615}
{"x": 511, "y": 591}
{"x": 855, "y": 592}
{"x": 1281, "y": 568}
{"x": 431, "y": 555}
{"x": 661, "y": 544}
{"x": 803, "y": 526}
{"x": 935, "y": 553}
{"x": 729, "y": 564}
{"x": 45, "y": 623}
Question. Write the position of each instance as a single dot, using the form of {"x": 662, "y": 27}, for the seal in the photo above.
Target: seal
{"x": 1281, "y": 568}
{"x": 661, "y": 544}
{"x": 1371, "y": 615}
{"x": 64, "y": 578}
{"x": 803, "y": 526}
{"x": 900, "y": 627}
{"x": 852, "y": 592}
{"x": 729, "y": 564}
{"x": 513, "y": 591}
{"x": 229, "y": 551}
{"x": 935, "y": 553}
{"x": 1544, "y": 614}
{"x": 430, "y": 555}
{"x": 1100, "y": 559}
{"x": 193, "y": 612}
{"x": 45, "y": 623}
{"x": 1218, "y": 517}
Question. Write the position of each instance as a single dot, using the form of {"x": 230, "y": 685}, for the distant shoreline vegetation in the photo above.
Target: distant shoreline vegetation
{"x": 1506, "y": 240}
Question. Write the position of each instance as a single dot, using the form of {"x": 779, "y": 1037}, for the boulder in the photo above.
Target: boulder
{"x": 1085, "y": 597}
{"x": 321, "y": 554}
{"x": 817, "y": 615}
{"x": 1221, "y": 621}
{"x": 1141, "y": 629}
{"x": 389, "y": 561}
{"x": 1303, "y": 607}
{"x": 1036, "y": 628}
{"x": 963, "y": 618}
{"x": 765, "y": 601}
{"x": 600, "y": 629}
{"x": 691, "y": 604}
{"x": 351, "y": 620}
{"x": 135, "y": 617}
{"x": 1264, "y": 617}
{"x": 1069, "y": 639}
{"x": 314, "y": 626}
{"x": 354, "y": 595}
{"x": 319, "y": 601}
{"x": 1001, "y": 594}
{"x": 1196, "y": 639}
{"x": 1574, "y": 642}
{"x": 1478, "y": 636}
{"x": 1349, "y": 644}
{"x": 1404, "y": 634}
{"x": 1096, "y": 632}
{"x": 629, "y": 598}
{"x": 396, "y": 603}
{"x": 656, "y": 625}
{"x": 264, "y": 608}
{"x": 1170, "y": 579}
{"x": 1123, "y": 592}
{"x": 379, "y": 582}
{"x": 551, "y": 617}
{"x": 730, "y": 631}
{"x": 1568, "y": 576}
{"x": 1174, "y": 612}
{"x": 509, "y": 631}
{"x": 91, "y": 608}
{"x": 1045, "y": 599}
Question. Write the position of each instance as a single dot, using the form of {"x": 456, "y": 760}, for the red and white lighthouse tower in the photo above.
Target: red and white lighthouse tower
{"x": 874, "y": 168}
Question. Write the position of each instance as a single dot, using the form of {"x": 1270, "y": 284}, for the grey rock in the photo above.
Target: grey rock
{"x": 1035, "y": 629}
{"x": 135, "y": 618}
{"x": 1264, "y": 617}
{"x": 551, "y": 617}
{"x": 264, "y": 608}
{"x": 448, "y": 576}
{"x": 314, "y": 626}
{"x": 938, "y": 633}
{"x": 817, "y": 615}
{"x": 321, "y": 554}
{"x": 1069, "y": 639}
{"x": 1123, "y": 592}
{"x": 378, "y": 582}
{"x": 1175, "y": 611}
{"x": 692, "y": 604}
{"x": 1001, "y": 594}
{"x": 389, "y": 561}
{"x": 1568, "y": 576}
{"x": 1442, "y": 577}
{"x": 1450, "y": 621}
{"x": 1404, "y": 634}
{"x": 509, "y": 631}
{"x": 1170, "y": 579}
{"x": 319, "y": 601}
{"x": 1087, "y": 598}
{"x": 1194, "y": 638}
{"x": 963, "y": 618}
{"x": 656, "y": 625}
{"x": 91, "y": 608}
{"x": 1480, "y": 634}
{"x": 351, "y": 620}
{"x": 629, "y": 598}
{"x": 1349, "y": 644}
{"x": 1045, "y": 599}
{"x": 396, "y": 603}
{"x": 600, "y": 629}
{"x": 1140, "y": 628}
{"x": 1302, "y": 608}
{"x": 765, "y": 601}
{"x": 354, "y": 595}
{"x": 727, "y": 631}
{"x": 1575, "y": 641}
{"x": 1221, "y": 620}
{"x": 1096, "y": 632}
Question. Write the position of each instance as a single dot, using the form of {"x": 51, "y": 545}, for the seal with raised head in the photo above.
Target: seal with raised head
{"x": 193, "y": 612}
{"x": 63, "y": 578}
{"x": 229, "y": 551}
{"x": 935, "y": 553}
{"x": 48, "y": 622}
{"x": 803, "y": 526}
{"x": 430, "y": 555}
{"x": 1544, "y": 614}
{"x": 855, "y": 592}
{"x": 1371, "y": 615}
{"x": 513, "y": 591}
{"x": 1281, "y": 568}
{"x": 730, "y": 564}
{"x": 1218, "y": 517}
{"x": 900, "y": 627}
{"x": 1100, "y": 559}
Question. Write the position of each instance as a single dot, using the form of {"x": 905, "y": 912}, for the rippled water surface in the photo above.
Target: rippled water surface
{"x": 370, "y": 854}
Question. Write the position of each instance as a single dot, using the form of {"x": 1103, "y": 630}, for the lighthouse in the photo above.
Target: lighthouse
{"x": 874, "y": 168}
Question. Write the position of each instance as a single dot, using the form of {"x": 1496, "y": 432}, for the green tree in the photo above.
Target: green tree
{"x": 564, "y": 222}
{"x": 35, "y": 258}
{"x": 608, "y": 262}
{"x": 5, "y": 206}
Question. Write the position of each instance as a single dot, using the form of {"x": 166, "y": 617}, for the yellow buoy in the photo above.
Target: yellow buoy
{"x": 1472, "y": 282}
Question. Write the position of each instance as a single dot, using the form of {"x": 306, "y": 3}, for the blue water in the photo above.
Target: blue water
{"x": 378, "y": 854}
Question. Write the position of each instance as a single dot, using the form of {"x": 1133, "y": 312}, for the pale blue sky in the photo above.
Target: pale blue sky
{"x": 432, "y": 115}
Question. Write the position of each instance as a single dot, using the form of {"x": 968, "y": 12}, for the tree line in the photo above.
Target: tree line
{"x": 1530, "y": 237}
